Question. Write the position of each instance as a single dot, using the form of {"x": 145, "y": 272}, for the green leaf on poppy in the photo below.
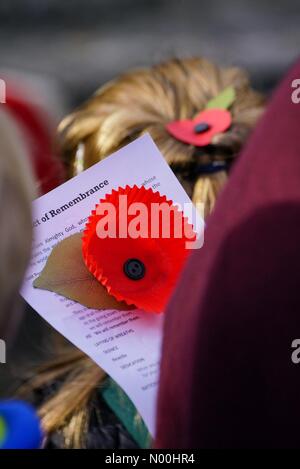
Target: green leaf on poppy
{"x": 224, "y": 99}
{"x": 65, "y": 273}
{"x": 3, "y": 430}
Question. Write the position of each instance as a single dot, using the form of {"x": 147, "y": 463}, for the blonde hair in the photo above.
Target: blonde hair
{"x": 16, "y": 194}
{"x": 145, "y": 100}
{"x": 142, "y": 101}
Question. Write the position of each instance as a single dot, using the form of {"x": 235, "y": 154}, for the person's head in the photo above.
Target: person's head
{"x": 145, "y": 100}
{"x": 16, "y": 192}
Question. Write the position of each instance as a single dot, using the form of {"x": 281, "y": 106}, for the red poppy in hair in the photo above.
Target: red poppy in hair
{"x": 200, "y": 130}
{"x": 135, "y": 245}
{"x": 214, "y": 119}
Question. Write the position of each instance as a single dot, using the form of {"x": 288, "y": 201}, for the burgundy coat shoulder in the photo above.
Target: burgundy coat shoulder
{"x": 227, "y": 376}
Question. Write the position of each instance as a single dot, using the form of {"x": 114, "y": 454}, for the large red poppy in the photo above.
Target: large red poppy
{"x": 141, "y": 270}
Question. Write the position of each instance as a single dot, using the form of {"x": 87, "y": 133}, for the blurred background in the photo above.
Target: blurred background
{"x": 82, "y": 44}
{"x": 65, "y": 49}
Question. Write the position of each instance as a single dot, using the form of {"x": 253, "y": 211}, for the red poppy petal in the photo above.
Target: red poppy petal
{"x": 219, "y": 120}
{"x": 163, "y": 257}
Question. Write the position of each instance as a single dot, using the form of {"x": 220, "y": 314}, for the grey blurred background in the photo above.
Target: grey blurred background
{"x": 84, "y": 43}
{"x": 78, "y": 45}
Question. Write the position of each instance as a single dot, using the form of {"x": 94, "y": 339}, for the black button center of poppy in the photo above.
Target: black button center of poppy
{"x": 201, "y": 127}
{"x": 134, "y": 269}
